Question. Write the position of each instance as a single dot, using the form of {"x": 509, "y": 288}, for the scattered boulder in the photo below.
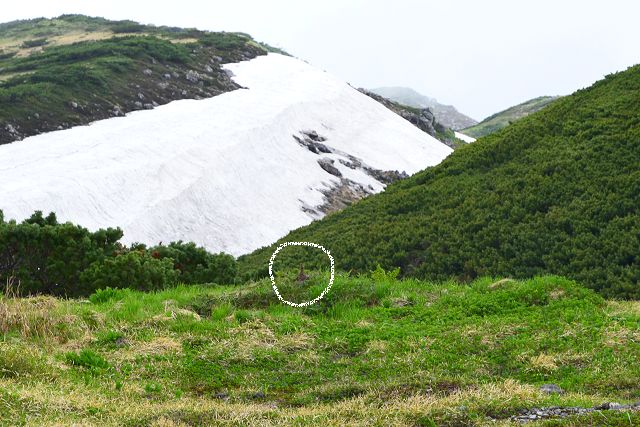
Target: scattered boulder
{"x": 327, "y": 165}
{"x": 386, "y": 177}
{"x": 147, "y": 72}
{"x": 312, "y": 143}
{"x": 533, "y": 414}
{"x": 313, "y": 135}
{"x": 551, "y": 389}
{"x": 140, "y": 95}
{"x": 192, "y": 76}
{"x": 208, "y": 69}
{"x": 258, "y": 395}
{"x": 74, "y": 105}
{"x": 349, "y": 164}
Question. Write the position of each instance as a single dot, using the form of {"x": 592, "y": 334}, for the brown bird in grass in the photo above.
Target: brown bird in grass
{"x": 301, "y": 276}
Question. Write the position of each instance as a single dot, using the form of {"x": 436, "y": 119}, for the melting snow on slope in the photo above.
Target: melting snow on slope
{"x": 223, "y": 172}
{"x": 466, "y": 138}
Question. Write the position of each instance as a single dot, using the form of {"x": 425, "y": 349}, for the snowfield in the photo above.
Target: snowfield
{"x": 466, "y": 138}
{"x": 224, "y": 172}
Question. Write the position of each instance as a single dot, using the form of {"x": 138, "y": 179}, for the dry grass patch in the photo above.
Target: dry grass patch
{"x": 157, "y": 346}
{"x": 618, "y": 308}
{"x": 616, "y": 335}
{"x": 543, "y": 362}
{"x": 76, "y": 37}
{"x": 255, "y": 335}
{"x": 377, "y": 346}
{"x": 248, "y": 337}
{"x": 40, "y": 317}
{"x": 500, "y": 284}
{"x": 557, "y": 294}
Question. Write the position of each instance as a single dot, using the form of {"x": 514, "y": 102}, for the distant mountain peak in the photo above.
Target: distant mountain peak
{"x": 448, "y": 115}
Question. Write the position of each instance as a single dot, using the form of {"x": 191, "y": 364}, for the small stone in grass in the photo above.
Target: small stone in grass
{"x": 551, "y": 389}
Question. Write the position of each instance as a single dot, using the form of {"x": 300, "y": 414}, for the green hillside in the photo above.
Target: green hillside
{"x": 375, "y": 351}
{"x": 504, "y": 118}
{"x": 72, "y": 70}
{"x": 556, "y": 192}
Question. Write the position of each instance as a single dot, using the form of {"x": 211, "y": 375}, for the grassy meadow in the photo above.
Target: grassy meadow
{"x": 374, "y": 351}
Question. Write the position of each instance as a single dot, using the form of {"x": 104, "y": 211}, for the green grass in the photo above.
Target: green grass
{"x": 374, "y": 351}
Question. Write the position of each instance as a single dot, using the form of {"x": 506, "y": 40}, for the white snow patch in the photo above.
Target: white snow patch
{"x": 223, "y": 172}
{"x": 466, "y": 138}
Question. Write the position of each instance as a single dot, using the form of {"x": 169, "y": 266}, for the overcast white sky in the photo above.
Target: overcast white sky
{"x": 481, "y": 56}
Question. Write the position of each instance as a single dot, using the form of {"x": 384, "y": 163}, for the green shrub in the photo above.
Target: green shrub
{"x": 196, "y": 265}
{"x": 109, "y": 338}
{"x": 34, "y": 43}
{"x": 100, "y": 296}
{"x": 379, "y": 275}
{"x": 6, "y": 55}
{"x": 127, "y": 27}
{"x": 49, "y": 257}
{"x": 135, "y": 269}
{"x": 64, "y": 259}
{"x": 223, "y": 41}
{"x": 87, "y": 359}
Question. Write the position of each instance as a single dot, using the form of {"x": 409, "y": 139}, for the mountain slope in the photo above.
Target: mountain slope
{"x": 502, "y": 119}
{"x": 445, "y": 114}
{"x": 422, "y": 118}
{"x": 556, "y": 192}
{"x": 61, "y": 72}
{"x": 232, "y": 173}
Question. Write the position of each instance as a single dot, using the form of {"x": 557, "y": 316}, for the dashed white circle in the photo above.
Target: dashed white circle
{"x": 273, "y": 280}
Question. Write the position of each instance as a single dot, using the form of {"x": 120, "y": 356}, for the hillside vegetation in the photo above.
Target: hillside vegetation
{"x": 374, "y": 351}
{"x": 556, "y": 192}
{"x": 71, "y": 70}
{"x": 504, "y": 118}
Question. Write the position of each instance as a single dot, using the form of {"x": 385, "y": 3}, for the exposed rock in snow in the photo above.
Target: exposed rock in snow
{"x": 327, "y": 165}
{"x": 223, "y": 172}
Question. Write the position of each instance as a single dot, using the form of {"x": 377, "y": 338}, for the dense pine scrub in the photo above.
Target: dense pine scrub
{"x": 556, "y": 192}
{"x": 40, "y": 255}
{"x": 374, "y": 351}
